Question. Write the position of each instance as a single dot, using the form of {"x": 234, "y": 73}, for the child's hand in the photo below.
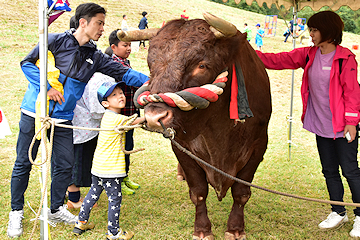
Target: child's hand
{"x": 139, "y": 120}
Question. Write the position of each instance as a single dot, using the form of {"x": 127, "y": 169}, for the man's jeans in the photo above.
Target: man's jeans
{"x": 61, "y": 163}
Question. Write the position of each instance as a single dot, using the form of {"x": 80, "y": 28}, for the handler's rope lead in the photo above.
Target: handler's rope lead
{"x": 181, "y": 148}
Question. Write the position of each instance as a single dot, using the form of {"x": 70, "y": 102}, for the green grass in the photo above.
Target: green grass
{"x": 161, "y": 209}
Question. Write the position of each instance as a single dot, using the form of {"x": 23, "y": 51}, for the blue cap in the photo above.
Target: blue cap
{"x": 257, "y": 25}
{"x": 106, "y": 89}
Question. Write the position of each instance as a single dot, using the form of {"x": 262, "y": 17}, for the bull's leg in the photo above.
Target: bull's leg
{"x": 235, "y": 226}
{"x": 241, "y": 193}
{"x": 198, "y": 190}
{"x": 202, "y": 225}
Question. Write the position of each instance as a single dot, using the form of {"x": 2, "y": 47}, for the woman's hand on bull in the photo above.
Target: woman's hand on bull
{"x": 55, "y": 95}
{"x": 352, "y": 131}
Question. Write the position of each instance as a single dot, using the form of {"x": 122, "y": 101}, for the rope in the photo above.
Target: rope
{"x": 121, "y": 128}
{"x": 171, "y": 137}
{"x": 48, "y": 123}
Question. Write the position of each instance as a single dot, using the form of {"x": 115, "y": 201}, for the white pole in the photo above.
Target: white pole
{"x": 43, "y": 48}
{"x": 292, "y": 79}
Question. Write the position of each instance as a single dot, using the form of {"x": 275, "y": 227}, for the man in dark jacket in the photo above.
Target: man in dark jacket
{"x": 77, "y": 59}
{"x": 290, "y": 30}
{"x": 142, "y": 25}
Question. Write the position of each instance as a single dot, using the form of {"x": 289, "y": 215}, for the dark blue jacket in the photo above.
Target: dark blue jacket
{"x": 78, "y": 63}
{"x": 143, "y": 23}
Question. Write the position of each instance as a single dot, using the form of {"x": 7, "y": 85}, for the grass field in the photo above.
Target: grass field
{"x": 161, "y": 209}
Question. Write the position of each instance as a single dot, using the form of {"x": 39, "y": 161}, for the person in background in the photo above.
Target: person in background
{"x": 142, "y": 25}
{"x": 331, "y": 108}
{"x": 184, "y": 16}
{"x": 109, "y": 51}
{"x": 4, "y": 125}
{"x": 76, "y": 59}
{"x": 248, "y": 31}
{"x": 259, "y": 37}
{"x": 124, "y": 25}
{"x": 291, "y": 29}
{"x": 108, "y": 170}
{"x": 73, "y": 23}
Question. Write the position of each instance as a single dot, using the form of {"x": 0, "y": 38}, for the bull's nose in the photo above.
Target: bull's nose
{"x": 153, "y": 119}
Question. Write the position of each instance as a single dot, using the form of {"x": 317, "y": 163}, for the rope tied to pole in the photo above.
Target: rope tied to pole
{"x": 48, "y": 123}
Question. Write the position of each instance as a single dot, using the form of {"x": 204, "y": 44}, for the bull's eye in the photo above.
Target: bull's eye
{"x": 202, "y": 66}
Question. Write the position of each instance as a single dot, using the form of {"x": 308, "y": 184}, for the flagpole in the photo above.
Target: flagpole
{"x": 43, "y": 48}
{"x": 290, "y": 119}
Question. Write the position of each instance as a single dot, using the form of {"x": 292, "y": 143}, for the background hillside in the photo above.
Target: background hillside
{"x": 351, "y": 18}
{"x": 161, "y": 209}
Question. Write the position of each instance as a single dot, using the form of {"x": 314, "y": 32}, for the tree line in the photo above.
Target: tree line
{"x": 350, "y": 18}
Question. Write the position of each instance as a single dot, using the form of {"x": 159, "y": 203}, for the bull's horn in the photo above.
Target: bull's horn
{"x": 224, "y": 27}
{"x": 137, "y": 35}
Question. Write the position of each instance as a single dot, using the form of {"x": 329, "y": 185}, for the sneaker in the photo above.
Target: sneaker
{"x": 63, "y": 215}
{"x": 130, "y": 184}
{"x": 355, "y": 232}
{"x": 334, "y": 220}
{"x": 15, "y": 228}
{"x": 72, "y": 205}
{"x": 81, "y": 227}
{"x": 121, "y": 235}
{"x": 125, "y": 190}
{"x": 76, "y": 205}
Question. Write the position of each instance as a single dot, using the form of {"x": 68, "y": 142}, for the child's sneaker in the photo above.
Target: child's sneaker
{"x": 131, "y": 184}
{"x": 81, "y": 227}
{"x": 121, "y": 235}
{"x": 125, "y": 190}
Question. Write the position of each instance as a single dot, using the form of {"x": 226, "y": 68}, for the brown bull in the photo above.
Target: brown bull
{"x": 187, "y": 54}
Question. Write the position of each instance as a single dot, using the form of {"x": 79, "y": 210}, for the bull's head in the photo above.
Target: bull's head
{"x": 182, "y": 55}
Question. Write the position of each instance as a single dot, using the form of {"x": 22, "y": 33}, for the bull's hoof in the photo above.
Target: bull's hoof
{"x": 209, "y": 237}
{"x": 180, "y": 177}
{"x": 230, "y": 236}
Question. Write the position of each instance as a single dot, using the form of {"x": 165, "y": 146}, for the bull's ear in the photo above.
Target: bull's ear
{"x": 224, "y": 27}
